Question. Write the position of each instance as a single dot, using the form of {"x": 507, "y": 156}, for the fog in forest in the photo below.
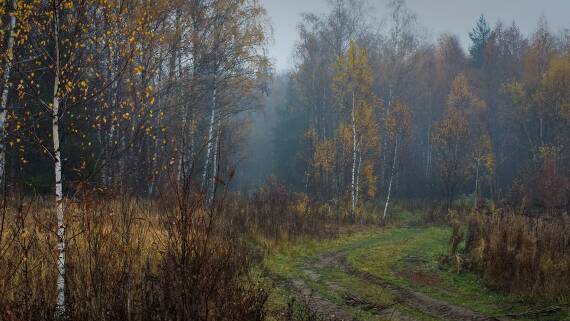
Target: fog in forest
{"x": 272, "y": 160}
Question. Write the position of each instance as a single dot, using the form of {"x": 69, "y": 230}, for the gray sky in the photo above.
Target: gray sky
{"x": 437, "y": 16}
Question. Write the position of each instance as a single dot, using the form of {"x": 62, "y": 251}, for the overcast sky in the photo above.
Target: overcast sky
{"x": 437, "y": 16}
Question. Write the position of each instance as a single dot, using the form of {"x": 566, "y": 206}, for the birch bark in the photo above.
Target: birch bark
{"x": 392, "y": 174}
{"x": 60, "y": 304}
{"x": 353, "y": 183}
{"x": 210, "y": 142}
{"x": 5, "y": 90}
{"x": 215, "y": 166}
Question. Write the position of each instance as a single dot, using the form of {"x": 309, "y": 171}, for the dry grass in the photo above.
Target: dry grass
{"x": 126, "y": 260}
{"x": 523, "y": 255}
{"x": 274, "y": 214}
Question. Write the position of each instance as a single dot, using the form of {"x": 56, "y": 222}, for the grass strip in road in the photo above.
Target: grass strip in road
{"x": 410, "y": 257}
{"x": 290, "y": 261}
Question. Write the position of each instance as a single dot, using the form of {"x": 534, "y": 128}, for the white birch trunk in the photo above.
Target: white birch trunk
{"x": 108, "y": 169}
{"x": 60, "y": 304}
{"x": 358, "y": 181}
{"x": 180, "y": 170}
{"x": 210, "y": 142}
{"x": 358, "y": 166}
{"x": 5, "y": 90}
{"x": 59, "y": 207}
{"x": 353, "y": 183}
{"x": 215, "y": 166}
{"x": 187, "y": 148}
{"x": 392, "y": 174}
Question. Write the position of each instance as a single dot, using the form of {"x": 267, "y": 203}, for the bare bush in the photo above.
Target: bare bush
{"x": 274, "y": 213}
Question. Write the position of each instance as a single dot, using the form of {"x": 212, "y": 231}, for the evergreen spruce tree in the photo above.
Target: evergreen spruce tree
{"x": 480, "y": 37}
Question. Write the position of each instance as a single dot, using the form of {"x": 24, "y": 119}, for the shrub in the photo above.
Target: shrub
{"x": 274, "y": 213}
{"x": 520, "y": 254}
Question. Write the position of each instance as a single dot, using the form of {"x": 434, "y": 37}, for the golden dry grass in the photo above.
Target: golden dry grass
{"x": 125, "y": 260}
{"x": 521, "y": 254}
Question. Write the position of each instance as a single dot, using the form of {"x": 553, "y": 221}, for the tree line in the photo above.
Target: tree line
{"x": 368, "y": 114}
{"x": 137, "y": 88}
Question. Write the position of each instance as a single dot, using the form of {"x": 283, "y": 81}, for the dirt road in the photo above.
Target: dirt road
{"x": 408, "y": 305}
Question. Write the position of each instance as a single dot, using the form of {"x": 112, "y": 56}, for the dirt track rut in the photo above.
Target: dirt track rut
{"x": 406, "y": 297}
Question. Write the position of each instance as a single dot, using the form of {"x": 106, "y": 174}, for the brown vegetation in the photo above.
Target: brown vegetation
{"x": 181, "y": 257}
{"x": 127, "y": 260}
{"x": 273, "y": 213}
{"x": 520, "y": 254}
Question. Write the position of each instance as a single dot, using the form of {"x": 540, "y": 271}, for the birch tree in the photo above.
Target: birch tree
{"x": 60, "y": 305}
{"x": 9, "y": 57}
{"x": 398, "y": 125}
{"x": 237, "y": 67}
{"x": 352, "y": 87}
{"x": 451, "y": 137}
{"x": 456, "y": 136}
{"x": 61, "y": 80}
{"x": 8, "y": 63}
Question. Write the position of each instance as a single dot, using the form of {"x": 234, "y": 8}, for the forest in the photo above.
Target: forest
{"x": 155, "y": 165}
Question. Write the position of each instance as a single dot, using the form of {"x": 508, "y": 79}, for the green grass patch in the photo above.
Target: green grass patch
{"x": 286, "y": 258}
{"x": 410, "y": 257}
{"x": 289, "y": 261}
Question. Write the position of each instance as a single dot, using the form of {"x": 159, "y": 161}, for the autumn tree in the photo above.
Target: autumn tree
{"x": 482, "y": 157}
{"x": 8, "y": 55}
{"x": 455, "y": 136}
{"x": 434, "y": 77}
{"x": 550, "y": 187}
{"x": 62, "y": 88}
{"x": 352, "y": 87}
{"x": 532, "y": 107}
{"x": 554, "y": 94}
{"x": 231, "y": 51}
{"x": 495, "y": 105}
{"x": 483, "y": 161}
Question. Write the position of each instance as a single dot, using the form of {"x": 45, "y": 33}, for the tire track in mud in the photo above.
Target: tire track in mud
{"x": 391, "y": 312}
{"x": 328, "y": 309}
{"x": 341, "y": 312}
{"x": 307, "y": 295}
{"x": 404, "y": 296}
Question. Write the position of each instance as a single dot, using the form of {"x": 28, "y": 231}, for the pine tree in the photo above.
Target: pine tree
{"x": 480, "y": 37}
